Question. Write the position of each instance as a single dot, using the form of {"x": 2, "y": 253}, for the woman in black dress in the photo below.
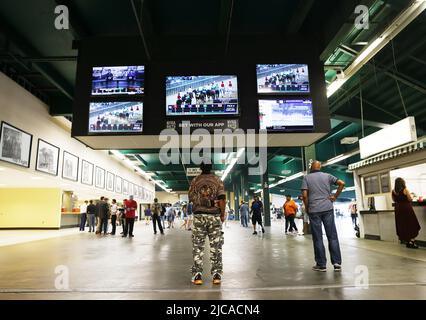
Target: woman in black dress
{"x": 407, "y": 225}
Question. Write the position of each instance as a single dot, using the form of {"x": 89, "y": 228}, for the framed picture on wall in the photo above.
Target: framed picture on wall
{"x": 47, "y": 158}
{"x": 125, "y": 187}
{"x": 100, "y": 178}
{"x": 110, "y": 181}
{"x": 87, "y": 173}
{"x": 70, "y": 166}
{"x": 118, "y": 184}
{"x": 15, "y": 145}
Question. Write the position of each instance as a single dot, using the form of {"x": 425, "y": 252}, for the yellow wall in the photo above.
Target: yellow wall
{"x": 30, "y": 208}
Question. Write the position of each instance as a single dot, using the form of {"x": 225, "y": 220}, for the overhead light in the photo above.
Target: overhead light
{"x": 349, "y": 140}
{"x": 334, "y": 86}
{"x": 258, "y": 191}
{"x": 118, "y": 154}
{"x": 340, "y": 157}
{"x": 282, "y": 190}
{"x": 290, "y": 178}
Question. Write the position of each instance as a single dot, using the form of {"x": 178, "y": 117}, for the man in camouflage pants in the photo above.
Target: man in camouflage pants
{"x": 207, "y": 194}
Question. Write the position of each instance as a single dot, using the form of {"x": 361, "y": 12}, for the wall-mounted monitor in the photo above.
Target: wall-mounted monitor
{"x": 287, "y": 115}
{"x": 282, "y": 78}
{"x": 201, "y": 95}
{"x": 124, "y": 80}
{"x": 115, "y": 117}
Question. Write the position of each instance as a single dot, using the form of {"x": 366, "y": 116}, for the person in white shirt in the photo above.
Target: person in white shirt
{"x": 83, "y": 216}
{"x": 114, "y": 212}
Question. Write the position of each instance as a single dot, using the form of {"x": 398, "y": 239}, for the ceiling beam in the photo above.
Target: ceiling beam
{"x": 225, "y": 20}
{"x": 140, "y": 29}
{"x": 368, "y": 123}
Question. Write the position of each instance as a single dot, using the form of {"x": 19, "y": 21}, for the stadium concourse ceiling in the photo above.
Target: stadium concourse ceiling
{"x": 387, "y": 88}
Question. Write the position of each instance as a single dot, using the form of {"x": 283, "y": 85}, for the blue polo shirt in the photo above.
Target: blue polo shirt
{"x": 319, "y": 185}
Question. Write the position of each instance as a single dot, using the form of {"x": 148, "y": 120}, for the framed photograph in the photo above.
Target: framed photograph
{"x": 15, "y": 145}
{"x": 70, "y": 166}
{"x": 118, "y": 184}
{"x": 110, "y": 181}
{"x": 47, "y": 158}
{"x": 100, "y": 178}
{"x": 125, "y": 187}
{"x": 87, "y": 173}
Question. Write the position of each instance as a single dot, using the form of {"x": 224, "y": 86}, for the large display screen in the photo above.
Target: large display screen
{"x": 282, "y": 78}
{"x": 202, "y": 95}
{"x": 125, "y": 80}
{"x": 286, "y": 115}
{"x": 115, "y": 117}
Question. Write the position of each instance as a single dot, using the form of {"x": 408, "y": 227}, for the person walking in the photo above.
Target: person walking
{"x": 290, "y": 208}
{"x": 104, "y": 212}
{"x": 256, "y": 214}
{"x": 130, "y": 210}
{"x": 91, "y": 212}
{"x": 318, "y": 200}
{"x": 354, "y": 214}
{"x": 156, "y": 214}
{"x": 244, "y": 214}
{"x": 184, "y": 217}
{"x": 163, "y": 215}
{"x": 148, "y": 214}
{"x": 114, "y": 213}
{"x": 83, "y": 215}
{"x": 407, "y": 225}
{"x": 207, "y": 193}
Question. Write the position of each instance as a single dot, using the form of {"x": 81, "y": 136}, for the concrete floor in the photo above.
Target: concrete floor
{"x": 272, "y": 266}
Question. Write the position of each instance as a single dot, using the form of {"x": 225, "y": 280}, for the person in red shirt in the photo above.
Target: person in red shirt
{"x": 130, "y": 207}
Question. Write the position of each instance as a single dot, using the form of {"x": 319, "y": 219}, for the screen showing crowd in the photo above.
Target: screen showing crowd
{"x": 126, "y": 80}
{"x": 286, "y": 115}
{"x": 115, "y": 117}
{"x": 202, "y": 95}
{"x": 282, "y": 78}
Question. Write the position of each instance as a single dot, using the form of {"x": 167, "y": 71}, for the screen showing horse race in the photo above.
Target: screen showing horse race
{"x": 115, "y": 117}
{"x": 127, "y": 80}
{"x": 289, "y": 115}
{"x": 201, "y": 95}
{"x": 282, "y": 78}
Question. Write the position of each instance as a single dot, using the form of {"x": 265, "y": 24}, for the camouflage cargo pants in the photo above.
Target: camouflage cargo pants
{"x": 207, "y": 225}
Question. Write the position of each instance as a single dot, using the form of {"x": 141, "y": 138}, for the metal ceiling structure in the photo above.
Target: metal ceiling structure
{"x": 386, "y": 89}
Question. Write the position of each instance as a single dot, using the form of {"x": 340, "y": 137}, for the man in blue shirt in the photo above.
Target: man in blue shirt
{"x": 256, "y": 211}
{"x": 318, "y": 200}
{"x": 244, "y": 213}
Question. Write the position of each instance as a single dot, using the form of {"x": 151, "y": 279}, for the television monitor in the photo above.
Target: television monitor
{"x": 115, "y": 117}
{"x": 125, "y": 80}
{"x": 288, "y": 115}
{"x": 201, "y": 95}
{"x": 282, "y": 78}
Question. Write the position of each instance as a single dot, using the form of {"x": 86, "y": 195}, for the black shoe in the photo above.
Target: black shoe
{"x": 255, "y": 232}
{"x": 217, "y": 278}
{"x": 412, "y": 245}
{"x": 197, "y": 279}
{"x": 337, "y": 267}
{"x": 131, "y": 236}
{"x": 124, "y": 236}
{"x": 162, "y": 233}
{"x": 155, "y": 232}
{"x": 263, "y": 230}
{"x": 319, "y": 268}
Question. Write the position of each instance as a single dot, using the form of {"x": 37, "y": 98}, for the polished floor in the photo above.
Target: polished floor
{"x": 272, "y": 266}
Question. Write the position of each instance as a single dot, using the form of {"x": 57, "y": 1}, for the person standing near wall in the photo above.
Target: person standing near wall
{"x": 207, "y": 193}
{"x": 130, "y": 209}
{"x": 91, "y": 212}
{"x": 407, "y": 225}
{"x": 244, "y": 214}
{"x": 98, "y": 215}
{"x": 156, "y": 213}
{"x": 83, "y": 215}
{"x": 318, "y": 199}
{"x": 290, "y": 209}
{"x": 123, "y": 216}
{"x": 114, "y": 212}
{"x": 104, "y": 216}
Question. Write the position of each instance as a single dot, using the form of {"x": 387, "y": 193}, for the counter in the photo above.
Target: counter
{"x": 70, "y": 219}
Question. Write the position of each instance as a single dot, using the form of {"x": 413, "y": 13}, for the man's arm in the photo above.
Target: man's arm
{"x": 341, "y": 185}
{"x": 305, "y": 199}
{"x": 222, "y": 204}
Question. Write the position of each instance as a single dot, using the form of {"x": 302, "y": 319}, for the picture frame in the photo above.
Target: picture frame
{"x": 125, "y": 187}
{"x": 118, "y": 184}
{"x": 99, "y": 178}
{"x": 87, "y": 171}
{"x": 110, "y": 179}
{"x": 70, "y": 164}
{"x": 47, "y": 157}
{"x": 15, "y": 145}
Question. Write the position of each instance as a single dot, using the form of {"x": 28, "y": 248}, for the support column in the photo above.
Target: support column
{"x": 266, "y": 200}
{"x": 309, "y": 155}
{"x": 244, "y": 184}
{"x": 237, "y": 188}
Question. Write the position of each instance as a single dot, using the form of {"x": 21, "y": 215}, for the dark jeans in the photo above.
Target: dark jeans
{"x": 104, "y": 225}
{"x": 113, "y": 223}
{"x": 128, "y": 229}
{"x": 244, "y": 219}
{"x": 316, "y": 221}
{"x": 289, "y": 221}
{"x": 156, "y": 219}
{"x": 92, "y": 225}
{"x": 354, "y": 216}
{"x": 82, "y": 221}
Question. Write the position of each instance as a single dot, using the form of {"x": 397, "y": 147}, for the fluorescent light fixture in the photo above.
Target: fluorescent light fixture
{"x": 334, "y": 86}
{"x": 292, "y": 177}
{"x": 258, "y": 191}
{"x": 231, "y": 165}
{"x": 340, "y": 157}
{"x": 118, "y": 154}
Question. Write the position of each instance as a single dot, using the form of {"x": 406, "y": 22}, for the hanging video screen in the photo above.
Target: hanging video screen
{"x": 202, "y": 95}
{"x": 282, "y": 78}
{"x": 125, "y": 80}
{"x": 115, "y": 117}
{"x": 290, "y": 115}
